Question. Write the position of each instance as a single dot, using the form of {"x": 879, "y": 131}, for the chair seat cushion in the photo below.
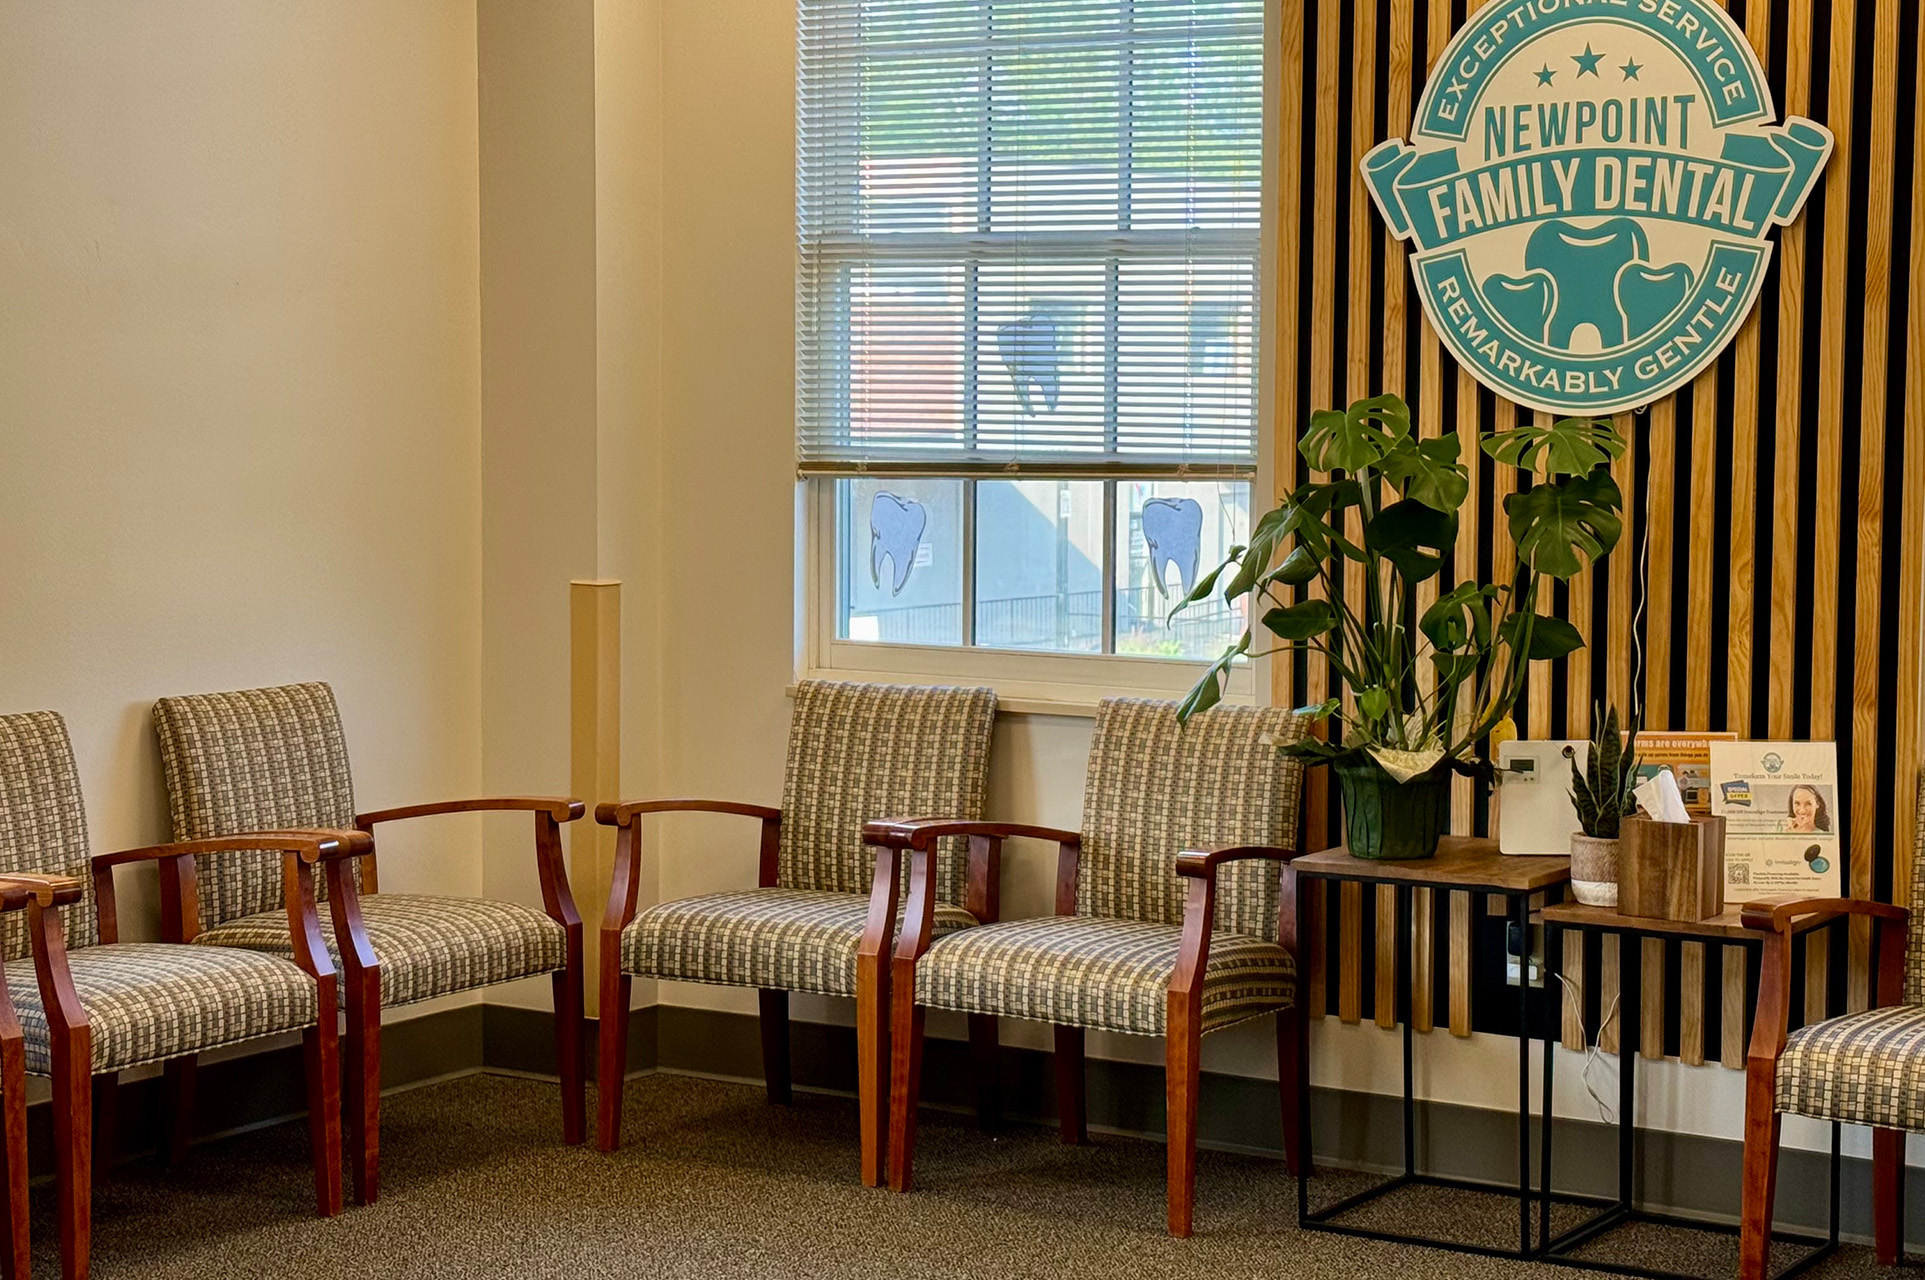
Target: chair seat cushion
{"x": 150, "y": 1001}
{"x": 1098, "y": 972}
{"x": 1863, "y": 1068}
{"x": 427, "y": 946}
{"x": 786, "y": 939}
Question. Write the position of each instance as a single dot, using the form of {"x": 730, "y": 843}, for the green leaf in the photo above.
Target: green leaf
{"x": 1208, "y": 691}
{"x": 1301, "y": 621}
{"x": 1430, "y": 472}
{"x": 1374, "y": 703}
{"x": 1562, "y": 524}
{"x": 1454, "y": 668}
{"x": 1297, "y": 568}
{"x": 1412, "y": 536}
{"x": 1319, "y": 710}
{"x": 1567, "y": 447}
{"x": 1550, "y": 638}
{"x": 1354, "y": 438}
{"x": 1459, "y": 617}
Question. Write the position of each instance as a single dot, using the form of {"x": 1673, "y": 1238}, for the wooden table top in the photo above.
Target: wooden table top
{"x": 1461, "y": 862}
{"x": 1726, "y": 925}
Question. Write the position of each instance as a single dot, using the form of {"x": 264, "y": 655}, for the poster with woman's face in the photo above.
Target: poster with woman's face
{"x": 1783, "y": 828}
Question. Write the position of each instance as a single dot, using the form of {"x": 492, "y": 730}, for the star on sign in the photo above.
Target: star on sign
{"x": 1544, "y": 75}
{"x": 1630, "y": 70}
{"x": 1587, "y": 61}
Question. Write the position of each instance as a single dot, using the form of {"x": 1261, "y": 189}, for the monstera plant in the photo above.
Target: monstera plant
{"x": 1335, "y": 571}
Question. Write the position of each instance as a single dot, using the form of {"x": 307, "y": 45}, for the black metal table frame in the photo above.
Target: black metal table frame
{"x": 1624, "y": 1210}
{"x": 1324, "y": 1219}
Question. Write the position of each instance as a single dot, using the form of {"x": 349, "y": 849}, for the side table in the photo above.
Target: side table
{"x": 1461, "y": 863}
{"x": 1726, "y": 929}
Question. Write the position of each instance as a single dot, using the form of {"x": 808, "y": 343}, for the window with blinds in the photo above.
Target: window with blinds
{"x": 1029, "y": 237}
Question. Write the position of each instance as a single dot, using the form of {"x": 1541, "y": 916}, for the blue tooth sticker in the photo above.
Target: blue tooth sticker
{"x": 1173, "y": 533}
{"x": 1587, "y": 243}
{"x": 895, "y": 530}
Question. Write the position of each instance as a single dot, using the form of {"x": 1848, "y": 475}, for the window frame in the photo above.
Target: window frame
{"x": 1053, "y": 683}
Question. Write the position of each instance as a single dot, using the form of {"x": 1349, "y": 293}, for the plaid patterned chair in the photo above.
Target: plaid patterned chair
{"x": 823, "y": 904}
{"x": 262, "y": 759}
{"x": 1170, "y": 920}
{"x": 1863, "y": 1068}
{"x": 93, "y": 1006}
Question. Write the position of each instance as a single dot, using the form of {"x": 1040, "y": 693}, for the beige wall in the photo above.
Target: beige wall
{"x": 239, "y": 384}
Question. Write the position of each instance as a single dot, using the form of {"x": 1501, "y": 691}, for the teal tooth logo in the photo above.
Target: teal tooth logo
{"x": 1588, "y": 195}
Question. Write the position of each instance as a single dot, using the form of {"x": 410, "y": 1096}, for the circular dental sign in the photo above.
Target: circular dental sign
{"x": 1588, "y": 195}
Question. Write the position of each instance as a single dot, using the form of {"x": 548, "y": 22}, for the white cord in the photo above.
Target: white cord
{"x": 1573, "y": 993}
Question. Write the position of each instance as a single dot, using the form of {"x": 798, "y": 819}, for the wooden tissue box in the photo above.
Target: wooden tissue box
{"x": 1671, "y": 870}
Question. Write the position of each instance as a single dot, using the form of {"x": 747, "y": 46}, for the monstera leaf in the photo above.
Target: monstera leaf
{"x": 1303, "y": 621}
{"x": 1459, "y": 618}
{"x": 1430, "y": 471}
{"x": 1568, "y": 447}
{"x": 1561, "y": 524}
{"x": 1412, "y": 536}
{"x": 1550, "y": 638}
{"x": 1357, "y": 437}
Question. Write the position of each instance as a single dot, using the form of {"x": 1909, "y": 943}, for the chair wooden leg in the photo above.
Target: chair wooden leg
{"x": 1290, "y": 1032}
{"x": 17, "y": 1261}
{"x": 1888, "y": 1194}
{"x": 177, "y": 1130}
{"x": 73, "y": 1152}
{"x": 1181, "y": 1052}
{"x": 568, "y": 1045}
{"x": 985, "y": 1058}
{"x": 612, "y": 1067}
{"x": 1760, "y": 1184}
{"x": 775, "y": 1045}
{"x": 872, "y": 1063}
{"x": 905, "y": 1080}
{"x": 363, "y": 1085}
{"x": 1070, "y": 1118}
{"x": 320, "y": 1047}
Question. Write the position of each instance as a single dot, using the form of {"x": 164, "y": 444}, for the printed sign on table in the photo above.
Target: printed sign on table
{"x": 1588, "y": 196}
{"x": 1687, "y": 756}
{"x": 1783, "y": 826}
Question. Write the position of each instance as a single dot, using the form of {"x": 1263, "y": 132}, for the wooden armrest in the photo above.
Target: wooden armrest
{"x": 622, "y": 813}
{"x": 560, "y": 808}
{"x": 921, "y": 833}
{"x": 16, "y": 891}
{"x": 1791, "y": 914}
{"x": 1198, "y": 862}
{"x": 310, "y": 846}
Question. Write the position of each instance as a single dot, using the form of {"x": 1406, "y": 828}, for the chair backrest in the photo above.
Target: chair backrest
{"x": 1915, "y": 927}
{"x": 43, "y": 824}
{"x": 863, "y": 751}
{"x": 252, "y": 760}
{"x": 1157, "y": 788}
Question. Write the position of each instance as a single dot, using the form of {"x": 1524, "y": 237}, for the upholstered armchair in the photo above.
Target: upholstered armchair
{"x": 823, "y": 904}
{"x": 1862, "y": 1068}
{"x": 1175, "y": 917}
{"x": 92, "y": 1006}
{"x": 265, "y": 759}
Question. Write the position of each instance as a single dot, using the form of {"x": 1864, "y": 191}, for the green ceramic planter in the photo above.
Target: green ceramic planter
{"x": 1390, "y": 820}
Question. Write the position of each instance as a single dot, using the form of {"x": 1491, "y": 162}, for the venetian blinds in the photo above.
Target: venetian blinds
{"x": 1029, "y": 236}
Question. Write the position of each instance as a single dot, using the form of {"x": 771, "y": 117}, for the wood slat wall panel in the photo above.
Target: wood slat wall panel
{"x": 1787, "y": 601}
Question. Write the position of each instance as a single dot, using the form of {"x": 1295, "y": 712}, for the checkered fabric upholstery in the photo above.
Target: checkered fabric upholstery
{"x": 1863, "y": 1068}
{"x": 252, "y": 760}
{"x": 786, "y": 939}
{"x": 150, "y": 1001}
{"x": 1106, "y": 974}
{"x": 864, "y": 751}
{"x": 1156, "y": 788}
{"x": 428, "y": 946}
{"x": 43, "y": 824}
{"x": 1868, "y": 1068}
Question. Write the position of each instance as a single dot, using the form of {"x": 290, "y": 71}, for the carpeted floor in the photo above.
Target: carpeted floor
{"x": 715, "y": 1183}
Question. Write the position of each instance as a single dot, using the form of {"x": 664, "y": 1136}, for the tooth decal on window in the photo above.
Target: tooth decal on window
{"x": 1588, "y": 244}
{"x": 1173, "y": 532}
{"x": 1032, "y": 353}
{"x": 895, "y": 530}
